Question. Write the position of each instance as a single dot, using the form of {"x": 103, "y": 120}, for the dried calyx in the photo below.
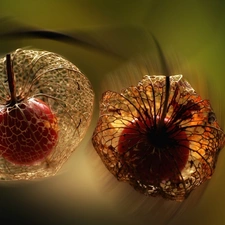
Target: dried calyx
{"x": 46, "y": 106}
{"x": 160, "y": 136}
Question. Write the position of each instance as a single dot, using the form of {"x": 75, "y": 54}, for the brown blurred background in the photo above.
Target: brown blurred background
{"x": 84, "y": 192}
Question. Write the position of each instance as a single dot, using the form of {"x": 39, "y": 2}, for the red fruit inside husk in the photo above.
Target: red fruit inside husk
{"x": 151, "y": 154}
{"x": 28, "y": 128}
{"x": 28, "y": 132}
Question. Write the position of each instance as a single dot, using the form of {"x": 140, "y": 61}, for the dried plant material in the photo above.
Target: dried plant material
{"x": 160, "y": 149}
{"x": 46, "y": 105}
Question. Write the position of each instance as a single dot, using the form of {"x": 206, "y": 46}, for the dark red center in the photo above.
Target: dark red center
{"x": 28, "y": 132}
{"x": 153, "y": 154}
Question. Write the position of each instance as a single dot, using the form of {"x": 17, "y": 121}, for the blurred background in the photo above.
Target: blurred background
{"x": 192, "y": 35}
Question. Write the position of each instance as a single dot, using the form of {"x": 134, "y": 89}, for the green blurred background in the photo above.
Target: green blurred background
{"x": 84, "y": 192}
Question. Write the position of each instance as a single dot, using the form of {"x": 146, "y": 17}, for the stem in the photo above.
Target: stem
{"x": 11, "y": 81}
{"x": 167, "y": 74}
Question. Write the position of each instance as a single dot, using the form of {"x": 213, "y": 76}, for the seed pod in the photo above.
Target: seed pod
{"x": 44, "y": 113}
{"x": 159, "y": 152}
{"x": 160, "y": 136}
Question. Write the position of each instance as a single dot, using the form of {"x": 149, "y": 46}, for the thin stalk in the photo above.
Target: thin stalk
{"x": 11, "y": 81}
{"x": 167, "y": 74}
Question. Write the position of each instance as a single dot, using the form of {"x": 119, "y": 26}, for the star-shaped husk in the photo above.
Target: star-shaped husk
{"x": 158, "y": 155}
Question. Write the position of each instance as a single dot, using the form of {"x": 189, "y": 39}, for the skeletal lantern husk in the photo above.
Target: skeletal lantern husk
{"x": 48, "y": 77}
{"x": 172, "y": 162}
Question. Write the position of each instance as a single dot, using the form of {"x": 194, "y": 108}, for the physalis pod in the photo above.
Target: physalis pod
{"x": 46, "y": 105}
{"x": 160, "y": 136}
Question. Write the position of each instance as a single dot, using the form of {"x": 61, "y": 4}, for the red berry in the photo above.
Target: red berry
{"x": 154, "y": 156}
{"x": 28, "y": 132}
